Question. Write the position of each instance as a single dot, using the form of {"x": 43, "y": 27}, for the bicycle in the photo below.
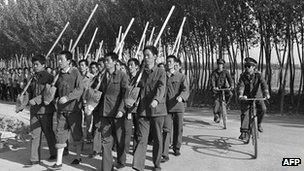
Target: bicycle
{"x": 253, "y": 123}
{"x": 223, "y": 106}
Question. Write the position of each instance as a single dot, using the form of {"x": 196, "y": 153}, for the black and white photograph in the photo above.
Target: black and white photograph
{"x": 151, "y": 85}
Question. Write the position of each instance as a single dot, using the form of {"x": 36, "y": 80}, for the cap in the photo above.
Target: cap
{"x": 220, "y": 61}
{"x": 250, "y": 61}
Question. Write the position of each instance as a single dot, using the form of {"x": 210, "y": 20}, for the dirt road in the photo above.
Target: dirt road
{"x": 206, "y": 146}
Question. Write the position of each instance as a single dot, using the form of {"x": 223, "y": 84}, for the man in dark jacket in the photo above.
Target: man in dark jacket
{"x": 131, "y": 117}
{"x": 112, "y": 112}
{"x": 220, "y": 79}
{"x": 87, "y": 118}
{"x": 177, "y": 92}
{"x": 69, "y": 90}
{"x": 41, "y": 114}
{"x": 151, "y": 110}
{"x": 251, "y": 85}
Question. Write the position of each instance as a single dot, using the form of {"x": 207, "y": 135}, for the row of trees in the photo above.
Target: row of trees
{"x": 214, "y": 29}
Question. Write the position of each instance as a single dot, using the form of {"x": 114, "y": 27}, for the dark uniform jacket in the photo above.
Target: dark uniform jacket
{"x": 221, "y": 79}
{"x": 132, "y": 81}
{"x": 35, "y": 91}
{"x": 69, "y": 84}
{"x": 153, "y": 87}
{"x": 252, "y": 86}
{"x": 87, "y": 80}
{"x": 113, "y": 88}
{"x": 176, "y": 86}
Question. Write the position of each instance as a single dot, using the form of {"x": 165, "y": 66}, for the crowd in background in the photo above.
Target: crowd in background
{"x": 13, "y": 80}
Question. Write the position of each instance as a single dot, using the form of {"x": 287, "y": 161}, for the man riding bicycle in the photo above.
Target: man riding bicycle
{"x": 220, "y": 79}
{"x": 251, "y": 85}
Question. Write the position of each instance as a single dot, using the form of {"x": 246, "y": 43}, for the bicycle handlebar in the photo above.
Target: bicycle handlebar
{"x": 224, "y": 89}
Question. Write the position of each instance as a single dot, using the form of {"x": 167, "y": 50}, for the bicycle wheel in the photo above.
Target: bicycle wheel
{"x": 224, "y": 114}
{"x": 254, "y": 133}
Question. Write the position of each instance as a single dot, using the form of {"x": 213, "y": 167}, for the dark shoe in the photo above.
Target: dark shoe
{"x": 260, "y": 128}
{"x": 76, "y": 161}
{"x": 119, "y": 166}
{"x": 66, "y": 152}
{"x": 135, "y": 168}
{"x": 94, "y": 154}
{"x": 216, "y": 118}
{"x": 57, "y": 167}
{"x": 31, "y": 163}
{"x": 53, "y": 157}
{"x": 164, "y": 159}
{"x": 34, "y": 162}
{"x": 246, "y": 138}
{"x": 242, "y": 136}
{"x": 177, "y": 152}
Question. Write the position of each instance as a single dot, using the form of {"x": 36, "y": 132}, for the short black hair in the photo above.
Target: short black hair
{"x": 178, "y": 61}
{"x": 73, "y": 63}
{"x": 123, "y": 64}
{"x": 68, "y": 55}
{"x": 85, "y": 62}
{"x": 136, "y": 61}
{"x": 173, "y": 57}
{"x": 113, "y": 56}
{"x": 153, "y": 49}
{"x": 120, "y": 62}
{"x": 40, "y": 58}
{"x": 93, "y": 63}
{"x": 160, "y": 64}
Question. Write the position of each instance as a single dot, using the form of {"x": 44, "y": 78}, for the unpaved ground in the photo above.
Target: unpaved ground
{"x": 206, "y": 146}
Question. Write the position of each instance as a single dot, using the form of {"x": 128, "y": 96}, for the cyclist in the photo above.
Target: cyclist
{"x": 220, "y": 78}
{"x": 252, "y": 85}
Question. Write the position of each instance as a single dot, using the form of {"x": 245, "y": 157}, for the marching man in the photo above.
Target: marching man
{"x": 151, "y": 110}
{"x": 69, "y": 90}
{"x": 41, "y": 114}
{"x": 112, "y": 112}
{"x": 177, "y": 93}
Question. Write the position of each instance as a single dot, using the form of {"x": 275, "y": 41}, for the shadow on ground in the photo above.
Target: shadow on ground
{"x": 199, "y": 124}
{"x": 19, "y": 153}
{"x": 191, "y": 121}
{"x": 217, "y": 146}
{"x": 284, "y": 120}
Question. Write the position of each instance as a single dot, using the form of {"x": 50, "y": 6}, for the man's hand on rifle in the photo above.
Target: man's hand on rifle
{"x": 32, "y": 102}
{"x": 267, "y": 96}
{"x": 119, "y": 114}
{"x": 179, "y": 99}
{"x": 154, "y": 103}
{"x": 63, "y": 100}
{"x": 129, "y": 116}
